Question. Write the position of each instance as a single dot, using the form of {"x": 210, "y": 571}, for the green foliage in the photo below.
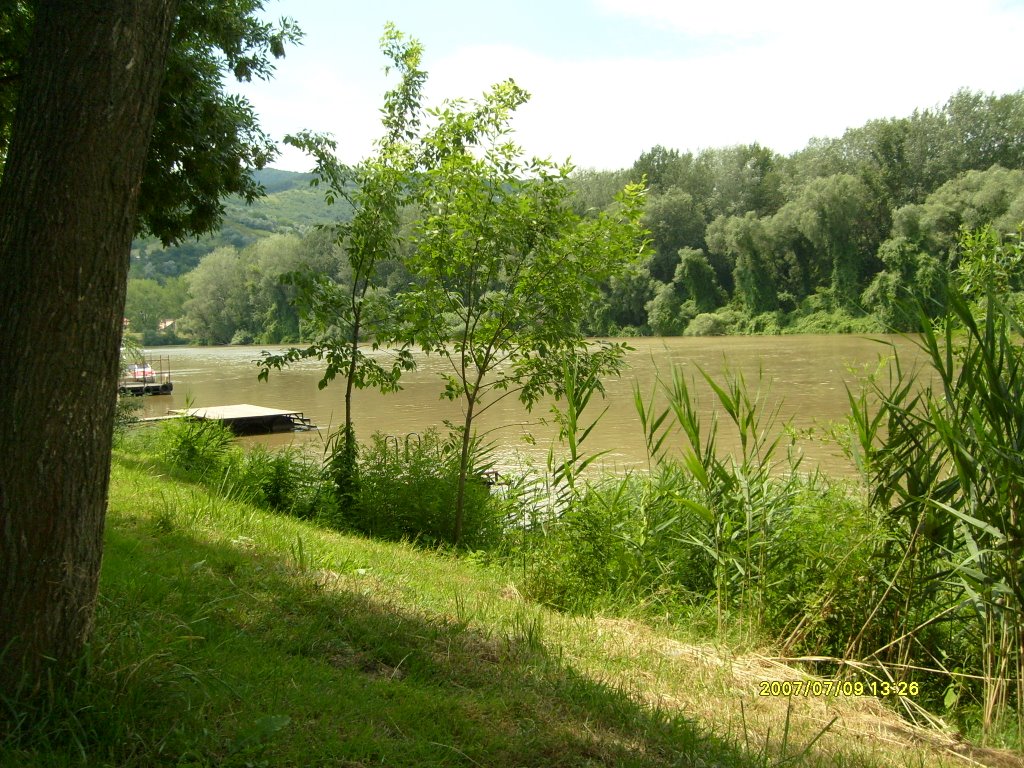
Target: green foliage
{"x": 286, "y": 480}
{"x": 507, "y": 271}
{"x": 747, "y": 179}
{"x": 149, "y": 302}
{"x": 988, "y": 264}
{"x": 706, "y": 324}
{"x": 622, "y": 302}
{"x": 770, "y": 550}
{"x": 291, "y": 206}
{"x": 696, "y": 276}
{"x": 612, "y": 550}
{"x": 943, "y": 459}
{"x": 820, "y": 320}
{"x": 675, "y": 221}
{"x": 219, "y": 303}
{"x": 196, "y": 446}
{"x": 824, "y": 214}
{"x": 664, "y": 311}
{"x": 746, "y": 242}
{"x": 227, "y": 143}
{"x": 337, "y": 315}
{"x": 408, "y": 489}
{"x": 237, "y": 295}
{"x": 738, "y": 500}
{"x": 869, "y": 220}
{"x": 767, "y": 324}
{"x": 827, "y": 574}
{"x": 669, "y": 313}
{"x": 592, "y": 191}
{"x": 970, "y": 201}
{"x": 725, "y": 320}
{"x": 834, "y": 215}
{"x": 907, "y": 158}
{"x": 912, "y": 280}
{"x": 762, "y": 549}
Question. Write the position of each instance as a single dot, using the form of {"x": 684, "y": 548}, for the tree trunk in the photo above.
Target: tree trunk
{"x": 88, "y": 98}
{"x": 460, "y": 496}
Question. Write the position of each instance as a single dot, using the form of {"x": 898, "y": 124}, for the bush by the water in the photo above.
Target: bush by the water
{"x": 407, "y": 490}
{"x": 287, "y": 480}
{"x": 804, "y": 576}
{"x": 404, "y": 489}
{"x": 196, "y": 446}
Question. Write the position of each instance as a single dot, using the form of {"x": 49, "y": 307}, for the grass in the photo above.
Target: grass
{"x": 227, "y": 635}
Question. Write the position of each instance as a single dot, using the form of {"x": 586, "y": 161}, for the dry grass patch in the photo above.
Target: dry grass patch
{"x": 721, "y": 689}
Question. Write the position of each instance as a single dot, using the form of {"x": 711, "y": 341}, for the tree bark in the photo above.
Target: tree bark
{"x": 67, "y": 216}
{"x": 460, "y": 494}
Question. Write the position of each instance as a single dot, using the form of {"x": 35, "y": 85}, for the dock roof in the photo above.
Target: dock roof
{"x": 228, "y": 412}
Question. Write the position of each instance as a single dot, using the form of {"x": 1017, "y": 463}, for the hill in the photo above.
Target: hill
{"x": 290, "y": 205}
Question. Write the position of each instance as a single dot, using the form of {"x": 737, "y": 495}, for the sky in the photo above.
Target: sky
{"x": 609, "y": 79}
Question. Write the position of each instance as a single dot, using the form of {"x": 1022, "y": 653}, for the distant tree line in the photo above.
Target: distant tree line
{"x": 844, "y": 235}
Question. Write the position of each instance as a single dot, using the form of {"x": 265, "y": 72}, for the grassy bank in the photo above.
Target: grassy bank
{"x": 229, "y": 635}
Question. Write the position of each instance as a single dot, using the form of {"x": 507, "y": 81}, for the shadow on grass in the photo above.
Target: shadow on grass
{"x": 211, "y": 654}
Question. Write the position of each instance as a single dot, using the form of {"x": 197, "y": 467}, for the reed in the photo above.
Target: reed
{"x": 949, "y": 470}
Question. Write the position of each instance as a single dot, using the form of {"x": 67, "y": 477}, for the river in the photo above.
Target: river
{"x": 806, "y": 376}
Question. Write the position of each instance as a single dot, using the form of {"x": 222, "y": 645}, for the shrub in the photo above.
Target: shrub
{"x": 197, "y": 446}
{"x": 835, "y": 321}
{"x": 287, "y": 480}
{"x": 750, "y": 536}
{"x": 407, "y": 490}
{"x": 618, "y": 547}
{"x": 719, "y": 323}
{"x": 944, "y": 462}
{"x": 766, "y": 324}
{"x": 705, "y": 324}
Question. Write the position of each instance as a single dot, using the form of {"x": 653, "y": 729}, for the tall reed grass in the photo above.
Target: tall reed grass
{"x": 748, "y": 539}
{"x": 913, "y": 576}
{"x": 943, "y": 453}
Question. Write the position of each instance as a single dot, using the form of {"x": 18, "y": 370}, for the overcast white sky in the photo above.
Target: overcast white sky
{"x": 612, "y": 78}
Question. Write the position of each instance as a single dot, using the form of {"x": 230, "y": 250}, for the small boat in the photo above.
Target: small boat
{"x": 140, "y": 372}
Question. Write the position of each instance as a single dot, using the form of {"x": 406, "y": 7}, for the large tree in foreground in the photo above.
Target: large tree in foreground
{"x": 88, "y": 95}
{"x": 113, "y": 119}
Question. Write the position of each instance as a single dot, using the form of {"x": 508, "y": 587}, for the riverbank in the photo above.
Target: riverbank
{"x": 229, "y": 635}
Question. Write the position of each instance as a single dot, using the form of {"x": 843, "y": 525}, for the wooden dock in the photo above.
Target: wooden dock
{"x": 246, "y": 419}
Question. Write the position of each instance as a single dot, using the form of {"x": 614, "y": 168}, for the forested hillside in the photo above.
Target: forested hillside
{"x": 290, "y": 205}
{"x": 847, "y": 234}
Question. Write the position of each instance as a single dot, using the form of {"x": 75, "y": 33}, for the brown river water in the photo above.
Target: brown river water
{"x": 806, "y": 376}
